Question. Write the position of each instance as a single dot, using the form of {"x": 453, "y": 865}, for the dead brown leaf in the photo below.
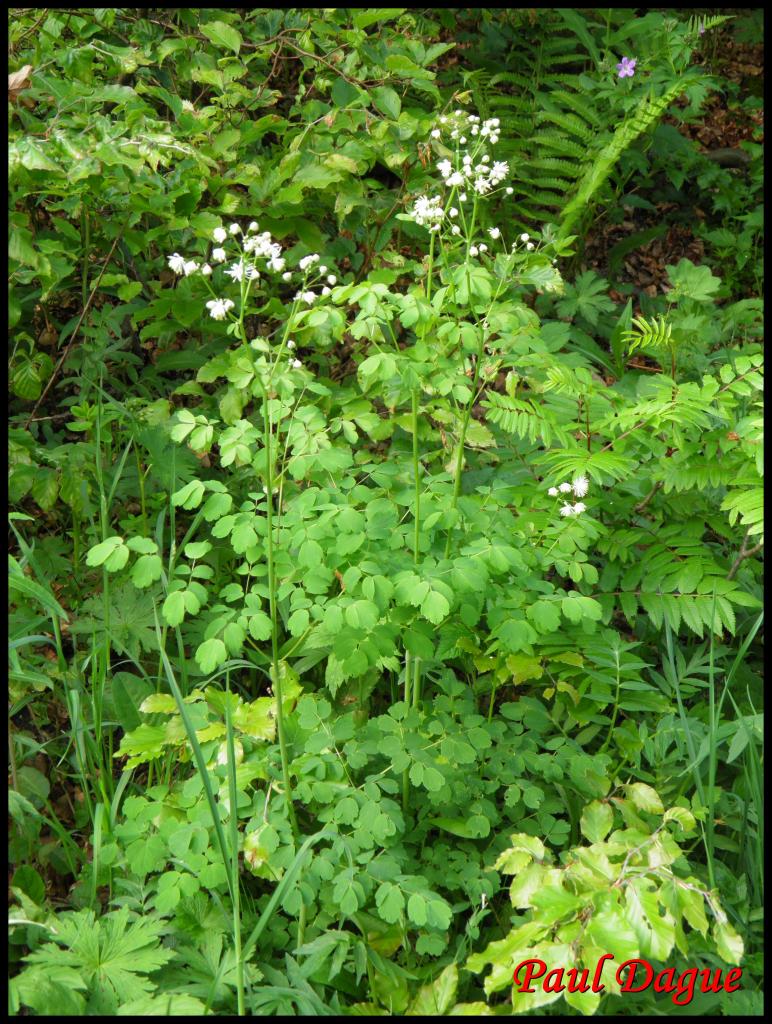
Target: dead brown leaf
{"x": 17, "y": 81}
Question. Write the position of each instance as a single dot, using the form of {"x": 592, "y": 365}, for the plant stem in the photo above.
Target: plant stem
{"x": 234, "y": 851}
{"x": 275, "y": 673}
{"x": 416, "y": 477}
{"x": 405, "y": 774}
{"x": 464, "y": 428}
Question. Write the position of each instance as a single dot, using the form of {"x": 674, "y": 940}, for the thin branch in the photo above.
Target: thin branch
{"x": 642, "y": 504}
{"x": 744, "y": 552}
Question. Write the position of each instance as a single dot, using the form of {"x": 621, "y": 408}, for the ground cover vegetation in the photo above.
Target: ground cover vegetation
{"x": 385, "y": 531}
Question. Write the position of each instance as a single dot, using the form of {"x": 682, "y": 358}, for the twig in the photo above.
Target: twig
{"x": 74, "y": 334}
{"x": 743, "y": 554}
{"x": 642, "y": 504}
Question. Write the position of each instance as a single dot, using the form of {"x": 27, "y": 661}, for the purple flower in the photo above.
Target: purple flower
{"x": 626, "y": 67}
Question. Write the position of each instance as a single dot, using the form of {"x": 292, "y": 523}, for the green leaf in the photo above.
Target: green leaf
{"x": 405, "y": 67}
{"x": 610, "y": 931}
{"x": 416, "y": 909}
{"x": 344, "y": 94}
{"x": 101, "y": 553}
{"x": 729, "y": 945}
{"x": 211, "y": 654}
{"x": 435, "y": 607}
{"x": 390, "y": 902}
{"x": 596, "y": 821}
{"x": 222, "y": 35}
{"x": 645, "y": 798}
{"x": 173, "y": 608}
{"x": 146, "y": 570}
{"x": 387, "y": 101}
{"x": 436, "y": 998}
{"x": 190, "y": 496}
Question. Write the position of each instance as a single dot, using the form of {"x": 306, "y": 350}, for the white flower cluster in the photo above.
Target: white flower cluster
{"x": 218, "y": 308}
{"x": 428, "y": 211}
{"x": 471, "y": 171}
{"x": 474, "y": 171}
{"x": 252, "y": 245}
{"x": 579, "y": 488}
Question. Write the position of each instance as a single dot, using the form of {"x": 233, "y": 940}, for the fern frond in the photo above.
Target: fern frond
{"x": 698, "y": 25}
{"x": 653, "y": 333}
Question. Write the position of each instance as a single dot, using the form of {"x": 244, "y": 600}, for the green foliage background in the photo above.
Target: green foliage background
{"x": 281, "y": 754}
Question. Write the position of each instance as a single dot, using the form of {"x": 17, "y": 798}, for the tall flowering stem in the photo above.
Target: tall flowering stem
{"x": 272, "y": 610}
{"x": 417, "y": 470}
{"x": 251, "y": 246}
{"x": 413, "y": 693}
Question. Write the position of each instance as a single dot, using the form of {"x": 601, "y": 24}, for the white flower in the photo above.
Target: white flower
{"x": 462, "y": 140}
{"x": 473, "y": 250}
{"x": 206, "y": 270}
{"x": 524, "y": 237}
{"x": 462, "y": 196}
{"x": 190, "y": 267}
{"x": 253, "y": 225}
{"x": 579, "y": 507}
{"x": 566, "y": 510}
{"x": 427, "y": 211}
{"x": 565, "y": 488}
{"x": 529, "y": 246}
{"x": 456, "y": 178}
{"x": 580, "y": 486}
{"x": 322, "y": 269}
{"x": 509, "y": 190}
{"x": 218, "y": 308}
{"x": 453, "y": 212}
{"x": 296, "y": 364}
{"x": 308, "y": 261}
{"x": 236, "y": 271}
{"x": 445, "y": 167}
{"x": 332, "y": 279}
{"x": 287, "y": 276}
{"x": 443, "y": 120}
{"x": 499, "y": 171}
{"x": 234, "y": 229}
{"x": 219, "y": 234}
{"x": 276, "y": 263}
{"x": 290, "y": 344}
{"x": 455, "y": 230}
{"x": 494, "y": 232}
{"x": 553, "y": 492}
{"x": 325, "y": 290}
{"x": 436, "y": 134}
{"x": 218, "y": 255}
{"x": 483, "y": 247}
{"x": 177, "y": 263}
{"x": 307, "y": 297}
{"x": 475, "y": 130}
